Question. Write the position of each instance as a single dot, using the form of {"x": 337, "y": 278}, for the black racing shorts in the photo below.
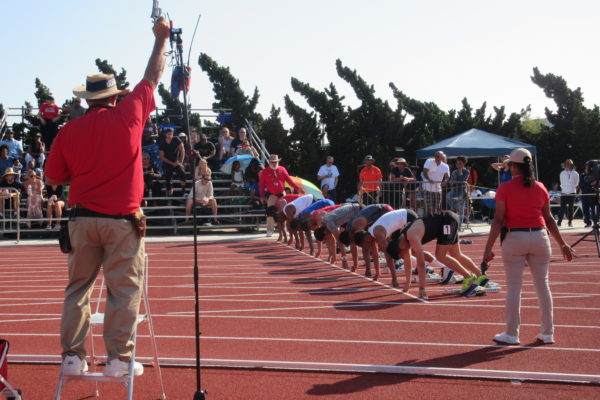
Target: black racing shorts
{"x": 442, "y": 226}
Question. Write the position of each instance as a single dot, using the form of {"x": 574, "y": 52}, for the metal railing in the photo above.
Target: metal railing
{"x": 257, "y": 143}
{"x": 11, "y": 211}
{"x": 421, "y": 197}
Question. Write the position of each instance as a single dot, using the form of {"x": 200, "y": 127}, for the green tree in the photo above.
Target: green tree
{"x": 229, "y": 94}
{"x": 305, "y": 150}
{"x": 174, "y": 109}
{"x": 276, "y": 137}
{"x": 106, "y": 68}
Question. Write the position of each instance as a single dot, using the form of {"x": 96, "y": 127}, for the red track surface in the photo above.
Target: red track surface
{"x": 261, "y": 300}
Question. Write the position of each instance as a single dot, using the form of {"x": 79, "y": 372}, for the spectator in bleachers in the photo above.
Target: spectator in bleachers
{"x": 435, "y": 171}
{"x": 5, "y": 160}
{"x": 166, "y": 125}
{"x": 328, "y": 175}
{"x": 206, "y": 151}
{"x": 172, "y": 154}
{"x": 368, "y": 184}
{"x": 251, "y": 178}
{"x": 75, "y": 110}
{"x": 457, "y": 195}
{"x": 225, "y": 139}
{"x": 33, "y": 186}
{"x": 17, "y": 167}
{"x": 152, "y": 187}
{"x": 204, "y": 197}
{"x": 401, "y": 175}
{"x": 9, "y": 181}
{"x": 247, "y": 149}
{"x": 15, "y": 147}
{"x": 326, "y": 192}
{"x": 37, "y": 151}
{"x": 54, "y": 205}
{"x": 569, "y": 181}
{"x": 150, "y": 147}
{"x": 202, "y": 169}
{"x": 237, "y": 179}
{"x": 30, "y": 166}
{"x": 49, "y": 116}
{"x": 237, "y": 142}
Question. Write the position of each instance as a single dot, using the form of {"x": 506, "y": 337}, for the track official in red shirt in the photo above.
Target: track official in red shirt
{"x": 100, "y": 156}
{"x": 523, "y": 216}
{"x": 273, "y": 180}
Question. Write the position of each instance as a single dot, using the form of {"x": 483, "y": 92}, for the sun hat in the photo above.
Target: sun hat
{"x": 368, "y": 158}
{"x": 98, "y": 86}
{"x": 182, "y": 134}
{"x": 519, "y": 155}
{"x": 401, "y": 160}
{"x": 9, "y": 171}
{"x": 274, "y": 157}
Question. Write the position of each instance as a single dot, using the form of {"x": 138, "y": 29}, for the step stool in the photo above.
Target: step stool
{"x": 97, "y": 320}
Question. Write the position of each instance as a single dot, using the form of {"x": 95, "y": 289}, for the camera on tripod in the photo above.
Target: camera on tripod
{"x": 594, "y": 173}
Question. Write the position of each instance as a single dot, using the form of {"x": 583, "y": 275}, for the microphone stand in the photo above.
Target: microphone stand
{"x": 176, "y": 38}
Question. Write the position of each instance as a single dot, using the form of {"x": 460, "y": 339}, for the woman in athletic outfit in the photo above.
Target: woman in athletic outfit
{"x": 523, "y": 214}
{"x": 361, "y": 221}
{"x": 379, "y": 234}
{"x": 442, "y": 226}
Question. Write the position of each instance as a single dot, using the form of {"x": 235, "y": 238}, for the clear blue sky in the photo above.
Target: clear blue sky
{"x": 438, "y": 51}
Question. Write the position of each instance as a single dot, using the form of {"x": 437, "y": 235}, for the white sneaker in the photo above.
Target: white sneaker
{"x": 73, "y": 365}
{"x": 117, "y": 367}
{"x": 269, "y": 233}
{"x": 547, "y": 339}
{"x": 503, "y": 338}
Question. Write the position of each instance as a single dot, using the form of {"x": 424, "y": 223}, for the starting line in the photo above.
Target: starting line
{"x": 343, "y": 367}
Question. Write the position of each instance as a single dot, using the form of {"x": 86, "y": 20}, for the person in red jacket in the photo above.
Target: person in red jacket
{"x": 272, "y": 180}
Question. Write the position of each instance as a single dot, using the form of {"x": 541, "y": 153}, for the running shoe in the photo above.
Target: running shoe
{"x": 467, "y": 284}
{"x": 482, "y": 280}
{"x": 547, "y": 339}
{"x": 503, "y": 338}
{"x": 447, "y": 275}
{"x": 73, "y": 365}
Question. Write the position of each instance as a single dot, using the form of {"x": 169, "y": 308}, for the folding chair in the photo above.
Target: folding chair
{"x": 97, "y": 319}
{"x": 6, "y": 390}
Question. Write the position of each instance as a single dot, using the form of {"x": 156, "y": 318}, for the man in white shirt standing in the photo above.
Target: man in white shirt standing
{"x": 569, "y": 180}
{"x": 435, "y": 171}
{"x": 328, "y": 175}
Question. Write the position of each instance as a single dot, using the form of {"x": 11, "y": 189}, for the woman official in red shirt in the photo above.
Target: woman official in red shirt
{"x": 523, "y": 215}
{"x": 272, "y": 180}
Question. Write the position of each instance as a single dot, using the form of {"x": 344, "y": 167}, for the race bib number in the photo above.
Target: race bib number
{"x": 447, "y": 230}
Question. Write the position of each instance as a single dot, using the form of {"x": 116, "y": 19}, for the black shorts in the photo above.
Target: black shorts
{"x": 442, "y": 226}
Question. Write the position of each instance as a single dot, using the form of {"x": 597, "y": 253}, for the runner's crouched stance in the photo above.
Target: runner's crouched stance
{"x": 378, "y": 236}
{"x": 442, "y": 226}
{"x": 329, "y": 231}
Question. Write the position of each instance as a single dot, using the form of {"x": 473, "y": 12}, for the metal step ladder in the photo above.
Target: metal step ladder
{"x": 97, "y": 320}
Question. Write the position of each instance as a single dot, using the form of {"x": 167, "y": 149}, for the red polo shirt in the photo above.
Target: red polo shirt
{"x": 49, "y": 111}
{"x": 101, "y": 156}
{"x": 370, "y": 174}
{"x": 274, "y": 180}
{"x": 523, "y": 204}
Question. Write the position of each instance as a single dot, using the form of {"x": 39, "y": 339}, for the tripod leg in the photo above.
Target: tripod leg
{"x": 597, "y": 237}
{"x": 581, "y": 239}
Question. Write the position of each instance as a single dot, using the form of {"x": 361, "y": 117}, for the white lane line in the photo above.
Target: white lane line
{"x": 359, "y": 275}
{"x": 338, "y": 341}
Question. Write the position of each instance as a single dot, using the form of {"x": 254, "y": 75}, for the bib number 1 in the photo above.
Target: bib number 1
{"x": 447, "y": 230}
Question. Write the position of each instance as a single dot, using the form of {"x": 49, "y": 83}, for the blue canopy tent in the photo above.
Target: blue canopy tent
{"x": 475, "y": 143}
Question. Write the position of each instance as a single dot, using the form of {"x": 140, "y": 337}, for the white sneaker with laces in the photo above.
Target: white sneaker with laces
{"x": 503, "y": 338}
{"x": 269, "y": 233}
{"x": 117, "y": 367}
{"x": 73, "y": 365}
{"x": 547, "y": 339}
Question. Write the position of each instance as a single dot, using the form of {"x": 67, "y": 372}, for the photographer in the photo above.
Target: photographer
{"x": 106, "y": 226}
{"x": 589, "y": 186}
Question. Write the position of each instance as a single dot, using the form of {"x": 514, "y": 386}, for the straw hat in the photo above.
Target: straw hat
{"x": 9, "y": 171}
{"x": 274, "y": 157}
{"x": 98, "y": 86}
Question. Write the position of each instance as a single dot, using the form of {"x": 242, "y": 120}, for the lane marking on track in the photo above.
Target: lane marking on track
{"x": 189, "y": 314}
{"x": 359, "y": 275}
{"x": 338, "y": 341}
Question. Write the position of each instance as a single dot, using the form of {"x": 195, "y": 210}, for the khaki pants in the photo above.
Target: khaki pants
{"x": 533, "y": 249}
{"x": 271, "y": 200}
{"x": 114, "y": 244}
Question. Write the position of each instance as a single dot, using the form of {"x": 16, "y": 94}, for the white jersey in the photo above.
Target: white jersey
{"x": 391, "y": 222}
{"x": 300, "y": 203}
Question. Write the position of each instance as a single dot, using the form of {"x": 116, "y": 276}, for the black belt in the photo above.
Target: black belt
{"x": 79, "y": 211}
{"x": 525, "y": 229}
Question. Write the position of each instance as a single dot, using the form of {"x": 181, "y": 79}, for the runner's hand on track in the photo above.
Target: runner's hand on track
{"x": 488, "y": 256}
